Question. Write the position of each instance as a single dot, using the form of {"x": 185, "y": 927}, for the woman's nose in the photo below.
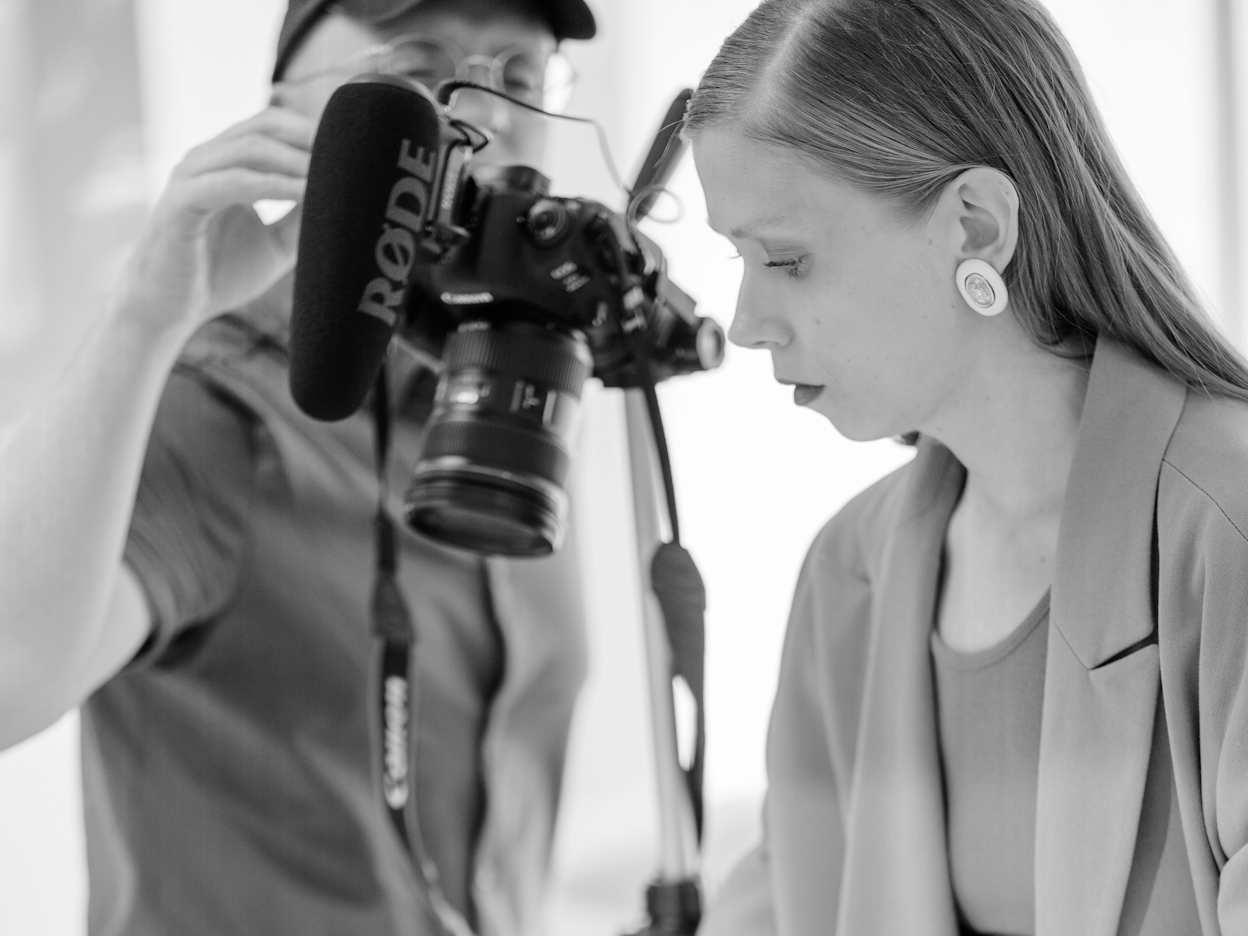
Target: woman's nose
{"x": 756, "y": 324}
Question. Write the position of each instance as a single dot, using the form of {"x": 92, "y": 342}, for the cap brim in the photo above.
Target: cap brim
{"x": 569, "y": 19}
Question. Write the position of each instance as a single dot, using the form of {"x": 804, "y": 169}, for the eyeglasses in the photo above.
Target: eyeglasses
{"x": 541, "y": 79}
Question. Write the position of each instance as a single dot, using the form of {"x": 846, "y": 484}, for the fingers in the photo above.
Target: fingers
{"x": 204, "y": 249}
{"x": 276, "y": 122}
{"x": 237, "y": 185}
{"x": 275, "y": 140}
{"x": 263, "y": 157}
{"x": 251, "y": 151}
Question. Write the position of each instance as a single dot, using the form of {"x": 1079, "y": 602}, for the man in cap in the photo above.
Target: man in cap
{"x": 226, "y": 665}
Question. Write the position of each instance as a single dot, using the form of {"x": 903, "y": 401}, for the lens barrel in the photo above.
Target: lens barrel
{"x": 498, "y": 445}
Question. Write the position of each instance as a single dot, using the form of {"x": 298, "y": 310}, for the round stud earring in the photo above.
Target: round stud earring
{"x": 982, "y": 287}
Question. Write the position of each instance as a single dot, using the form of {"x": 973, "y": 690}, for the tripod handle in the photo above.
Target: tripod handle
{"x": 666, "y": 150}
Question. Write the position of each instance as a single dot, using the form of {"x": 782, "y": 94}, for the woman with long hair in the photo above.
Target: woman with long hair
{"x": 1013, "y": 697}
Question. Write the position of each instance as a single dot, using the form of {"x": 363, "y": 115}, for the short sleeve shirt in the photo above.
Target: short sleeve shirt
{"x": 189, "y": 532}
{"x": 229, "y": 770}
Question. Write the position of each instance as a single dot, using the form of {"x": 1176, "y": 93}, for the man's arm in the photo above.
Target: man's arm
{"x": 70, "y": 614}
{"x": 124, "y": 627}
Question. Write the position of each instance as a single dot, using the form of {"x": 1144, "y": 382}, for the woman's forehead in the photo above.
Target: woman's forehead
{"x": 755, "y": 188}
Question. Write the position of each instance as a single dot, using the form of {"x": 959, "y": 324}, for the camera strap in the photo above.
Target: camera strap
{"x": 392, "y": 624}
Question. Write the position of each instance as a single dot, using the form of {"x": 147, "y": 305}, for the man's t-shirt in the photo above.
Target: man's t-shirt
{"x": 230, "y": 770}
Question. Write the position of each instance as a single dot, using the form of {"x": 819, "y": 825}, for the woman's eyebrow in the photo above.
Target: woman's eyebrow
{"x": 753, "y": 228}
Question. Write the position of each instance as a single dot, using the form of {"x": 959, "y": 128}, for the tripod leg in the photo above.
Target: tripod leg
{"x": 672, "y": 900}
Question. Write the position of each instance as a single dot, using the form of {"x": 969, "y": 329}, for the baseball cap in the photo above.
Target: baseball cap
{"x": 568, "y": 19}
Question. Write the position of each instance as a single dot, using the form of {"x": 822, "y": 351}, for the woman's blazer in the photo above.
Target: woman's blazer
{"x": 1145, "y": 687}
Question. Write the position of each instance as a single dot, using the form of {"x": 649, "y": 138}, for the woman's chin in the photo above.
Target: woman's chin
{"x": 859, "y": 427}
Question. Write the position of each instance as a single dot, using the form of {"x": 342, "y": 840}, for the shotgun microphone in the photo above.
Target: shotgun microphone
{"x": 368, "y": 200}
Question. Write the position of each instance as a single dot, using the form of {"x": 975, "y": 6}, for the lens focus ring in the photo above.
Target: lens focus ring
{"x": 551, "y": 360}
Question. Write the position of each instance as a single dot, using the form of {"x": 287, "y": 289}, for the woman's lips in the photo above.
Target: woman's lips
{"x": 805, "y": 394}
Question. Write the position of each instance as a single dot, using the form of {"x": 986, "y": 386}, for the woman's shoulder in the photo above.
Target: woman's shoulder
{"x": 855, "y": 536}
{"x": 1202, "y": 571}
{"x": 1205, "y": 466}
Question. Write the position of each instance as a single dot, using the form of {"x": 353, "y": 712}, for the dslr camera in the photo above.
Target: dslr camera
{"x": 521, "y": 295}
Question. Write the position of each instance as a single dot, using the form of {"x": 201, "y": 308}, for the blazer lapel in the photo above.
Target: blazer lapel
{"x": 896, "y": 877}
{"x": 1101, "y": 677}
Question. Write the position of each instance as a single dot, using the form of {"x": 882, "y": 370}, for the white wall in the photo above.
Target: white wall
{"x": 756, "y": 476}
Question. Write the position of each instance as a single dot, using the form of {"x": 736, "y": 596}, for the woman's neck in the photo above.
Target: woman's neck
{"x": 1013, "y": 422}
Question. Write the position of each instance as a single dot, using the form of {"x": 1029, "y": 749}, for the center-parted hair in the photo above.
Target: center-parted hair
{"x": 899, "y": 97}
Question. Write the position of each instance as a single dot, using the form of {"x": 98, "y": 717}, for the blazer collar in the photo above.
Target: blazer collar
{"x": 1104, "y": 607}
{"x": 896, "y": 876}
{"x": 1102, "y": 671}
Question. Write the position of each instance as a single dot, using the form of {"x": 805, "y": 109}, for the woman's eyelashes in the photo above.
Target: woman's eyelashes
{"x": 793, "y": 267}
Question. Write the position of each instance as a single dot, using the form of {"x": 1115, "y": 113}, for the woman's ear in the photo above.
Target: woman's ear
{"x": 983, "y": 210}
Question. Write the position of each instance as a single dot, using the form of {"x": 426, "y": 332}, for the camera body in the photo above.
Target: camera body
{"x": 556, "y": 262}
{"x": 523, "y": 296}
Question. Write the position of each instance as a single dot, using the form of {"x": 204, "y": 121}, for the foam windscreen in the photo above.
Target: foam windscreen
{"x": 368, "y": 193}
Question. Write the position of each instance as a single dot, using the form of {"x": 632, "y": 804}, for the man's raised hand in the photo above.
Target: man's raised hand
{"x": 204, "y": 249}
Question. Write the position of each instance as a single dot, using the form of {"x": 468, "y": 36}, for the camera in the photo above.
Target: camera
{"x": 522, "y": 295}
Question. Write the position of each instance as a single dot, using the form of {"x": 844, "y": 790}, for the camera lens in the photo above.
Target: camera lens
{"x": 498, "y": 446}
{"x": 708, "y": 344}
{"x": 547, "y": 222}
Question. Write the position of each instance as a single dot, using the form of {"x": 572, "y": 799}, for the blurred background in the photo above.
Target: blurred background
{"x": 100, "y": 98}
